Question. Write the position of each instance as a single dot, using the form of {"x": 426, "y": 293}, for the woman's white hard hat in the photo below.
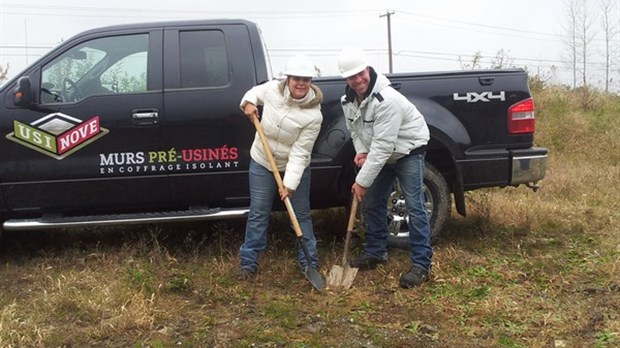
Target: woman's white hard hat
{"x": 301, "y": 66}
{"x": 351, "y": 61}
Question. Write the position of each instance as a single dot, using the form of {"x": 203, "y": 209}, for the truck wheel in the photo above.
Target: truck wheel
{"x": 436, "y": 199}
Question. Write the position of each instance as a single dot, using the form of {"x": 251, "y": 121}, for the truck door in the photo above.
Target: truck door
{"x": 91, "y": 142}
{"x": 209, "y": 69}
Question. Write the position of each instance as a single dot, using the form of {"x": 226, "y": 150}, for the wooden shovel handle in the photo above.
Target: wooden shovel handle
{"x": 350, "y": 227}
{"x": 351, "y": 223}
{"x": 276, "y": 174}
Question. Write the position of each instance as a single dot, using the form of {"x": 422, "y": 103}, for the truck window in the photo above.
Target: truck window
{"x": 204, "y": 59}
{"x": 101, "y": 66}
{"x": 128, "y": 75}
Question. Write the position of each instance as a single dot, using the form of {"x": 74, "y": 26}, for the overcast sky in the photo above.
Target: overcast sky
{"x": 426, "y": 35}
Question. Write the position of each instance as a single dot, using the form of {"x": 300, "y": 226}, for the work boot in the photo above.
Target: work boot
{"x": 366, "y": 262}
{"x": 415, "y": 277}
{"x": 245, "y": 273}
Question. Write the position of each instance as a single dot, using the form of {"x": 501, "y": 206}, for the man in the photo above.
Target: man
{"x": 390, "y": 136}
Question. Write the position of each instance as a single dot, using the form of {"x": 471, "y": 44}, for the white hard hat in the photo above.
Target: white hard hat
{"x": 301, "y": 66}
{"x": 351, "y": 61}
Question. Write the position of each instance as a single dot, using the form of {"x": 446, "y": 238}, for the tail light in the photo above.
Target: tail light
{"x": 521, "y": 117}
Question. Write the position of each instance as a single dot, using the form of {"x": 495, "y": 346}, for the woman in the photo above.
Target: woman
{"x": 291, "y": 121}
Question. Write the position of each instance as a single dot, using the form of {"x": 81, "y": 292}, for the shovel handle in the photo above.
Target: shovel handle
{"x": 351, "y": 223}
{"x": 350, "y": 227}
{"x": 276, "y": 174}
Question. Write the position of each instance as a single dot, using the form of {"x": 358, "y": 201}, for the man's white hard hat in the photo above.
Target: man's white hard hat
{"x": 351, "y": 61}
{"x": 301, "y": 66}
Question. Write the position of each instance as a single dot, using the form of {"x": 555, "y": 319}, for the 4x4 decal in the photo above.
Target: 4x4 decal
{"x": 473, "y": 97}
{"x": 57, "y": 135}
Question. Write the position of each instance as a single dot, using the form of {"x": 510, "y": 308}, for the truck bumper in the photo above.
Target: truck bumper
{"x": 528, "y": 166}
{"x": 502, "y": 167}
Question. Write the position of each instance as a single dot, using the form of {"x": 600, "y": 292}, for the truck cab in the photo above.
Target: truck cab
{"x": 131, "y": 119}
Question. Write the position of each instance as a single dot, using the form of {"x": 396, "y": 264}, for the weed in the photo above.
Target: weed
{"x": 478, "y": 293}
{"x": 141, "y": 279}
{"x": 180, "y": 283}
{"x": 606, "y": 339}
{"x": 413, "y": 326}
{"x": 509, "y": 343}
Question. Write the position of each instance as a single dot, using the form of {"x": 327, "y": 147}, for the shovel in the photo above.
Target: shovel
{"x": 311, "y": 274}
{"x": 343, "y": 276}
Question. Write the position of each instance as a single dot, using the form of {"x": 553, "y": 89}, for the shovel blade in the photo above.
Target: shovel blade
{"x": 348, "y": 276}
{"x": 341, "y": 277}
{"x": 314, "y": 278}
{"x": 335, "y": 276}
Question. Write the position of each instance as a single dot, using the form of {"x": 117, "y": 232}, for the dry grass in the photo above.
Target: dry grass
{"x": 523, "y": 269}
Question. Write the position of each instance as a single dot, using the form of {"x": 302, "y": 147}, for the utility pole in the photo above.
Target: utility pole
{"x": 388, "y": 14}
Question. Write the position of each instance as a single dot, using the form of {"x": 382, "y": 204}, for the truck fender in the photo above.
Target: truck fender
{"x": 447, "y": 127}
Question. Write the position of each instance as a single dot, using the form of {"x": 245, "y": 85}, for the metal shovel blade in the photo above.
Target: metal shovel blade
{"x": 335, "y": 276}
{"x": 341, "y": 277}
{"x": 315, "y": 278}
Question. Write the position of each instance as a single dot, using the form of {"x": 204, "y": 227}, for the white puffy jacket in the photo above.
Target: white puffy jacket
{"x": 291, "y": 127}
{"x": 385, "y": 125}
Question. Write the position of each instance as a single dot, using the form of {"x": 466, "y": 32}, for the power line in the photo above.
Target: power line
{"x": 431, "y": 55}
{"x": 41, "y": 47}
{"x": 477, "y": 24}
{"x": 98, "y": 12}
{"x": 484, "y": 31}
{"x": 406, "y": 53}
{"x": 482, "y": 28}
{"x": 69, "y": 11}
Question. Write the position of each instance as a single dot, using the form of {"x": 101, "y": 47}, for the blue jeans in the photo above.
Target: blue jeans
{"x": 410, "y": 173}
{"x": 263, "y": 191}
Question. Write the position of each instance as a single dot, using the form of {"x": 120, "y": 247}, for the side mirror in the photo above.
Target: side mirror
{"x": 22, "y": 94}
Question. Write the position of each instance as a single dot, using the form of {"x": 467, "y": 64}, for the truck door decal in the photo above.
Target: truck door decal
{"x": 170, "y": 161}
{"x": 57, "y": 135}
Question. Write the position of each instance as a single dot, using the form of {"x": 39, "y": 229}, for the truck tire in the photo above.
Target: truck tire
{"x": 436, "y": 199}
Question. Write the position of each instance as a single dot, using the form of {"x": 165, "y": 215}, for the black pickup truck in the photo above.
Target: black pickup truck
{"x": 140, "y": 123}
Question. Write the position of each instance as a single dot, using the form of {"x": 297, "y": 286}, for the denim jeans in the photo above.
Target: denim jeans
{"x": 410, "y": 173}
{"x": 263, "y": 191}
